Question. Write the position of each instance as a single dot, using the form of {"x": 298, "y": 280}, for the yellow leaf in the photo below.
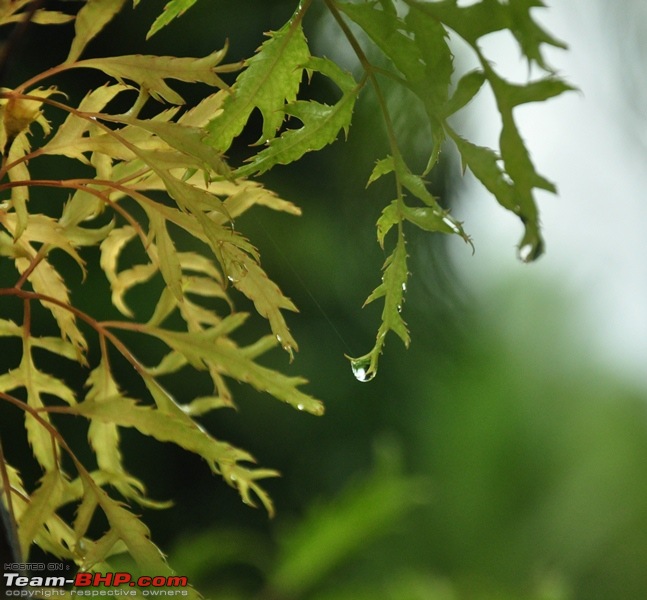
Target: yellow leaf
{"x": 134, "y": 534}
{"x": 19, "y": 172}
{"x": 127, "y": 279}
{"x": 42, "y": 229}
{"x": 50, "y": 17}
{"x": 151, "y": 72}
{"x": 67, "y": 137}
{"x": 90, "y": 20}
{"x": 42, "y": 505}
{"x": 104, "y": 437}
{"x": 248, "y": 277}
{"x": 206, "y": 349}
{"x": 166, "y": 255}
{"x": 46, "y": 280}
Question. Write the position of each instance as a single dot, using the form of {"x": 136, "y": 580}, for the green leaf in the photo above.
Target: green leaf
{"x": 429, "y": 219}
{"x": 174, "y": 9}
{"x": 321, "y": 126}
{"x": 470, "y": 22}
{"x": 477, "y": 20}
{"x": 468, "y": 86}
{"x": 528, "y": 33}
{"x": 484, "y": 164}
{"x": 534, "y": 91}
{"x": 432, "y": 43}
{"x": 271, "y": 79}
{"x": 392, "y": 288}
{"x": 342, "y": 79}
{"x": 417, "y": 47}
{"x": 90, "y": 20}
{"x": 387, "y": 30}
{"x": 382, "y": 167}
{"x": 322, "y": 123}
{"x": 433, "y": 217}
{"x": 390, "y": 216}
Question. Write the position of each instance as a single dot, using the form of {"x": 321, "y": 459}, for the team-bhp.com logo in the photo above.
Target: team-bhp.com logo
{"x": 17, "y": 584}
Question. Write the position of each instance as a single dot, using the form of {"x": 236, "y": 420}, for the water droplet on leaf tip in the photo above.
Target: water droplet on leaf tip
{"x": 527, "y": 253}
{"x": 300, "y": 406}
{"x": 362, "y": 369}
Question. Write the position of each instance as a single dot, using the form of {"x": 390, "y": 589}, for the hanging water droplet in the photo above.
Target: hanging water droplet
{"x": 527, "y": 253}
{"x": 300, "y": 406}
{"x": 233, "y": 477}
{"x": 362, "y": 369}
{"x": 404, "y": 286}
{"x": 399, "y": 308}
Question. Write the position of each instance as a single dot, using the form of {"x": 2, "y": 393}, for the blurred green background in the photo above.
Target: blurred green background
{"x": 498, "y": 458}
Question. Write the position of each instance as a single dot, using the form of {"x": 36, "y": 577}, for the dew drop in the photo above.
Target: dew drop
{"x": 404, "y": 287}
{"x": 526, "y": 253}
{"x": 300, "y": 406}
{"x": 361, "y": 369}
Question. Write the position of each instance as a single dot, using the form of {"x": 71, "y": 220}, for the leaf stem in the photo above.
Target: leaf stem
{"x": 85, "y": 186}
{"x": 35, "y": 261}
{"x": 86, "y": 318}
